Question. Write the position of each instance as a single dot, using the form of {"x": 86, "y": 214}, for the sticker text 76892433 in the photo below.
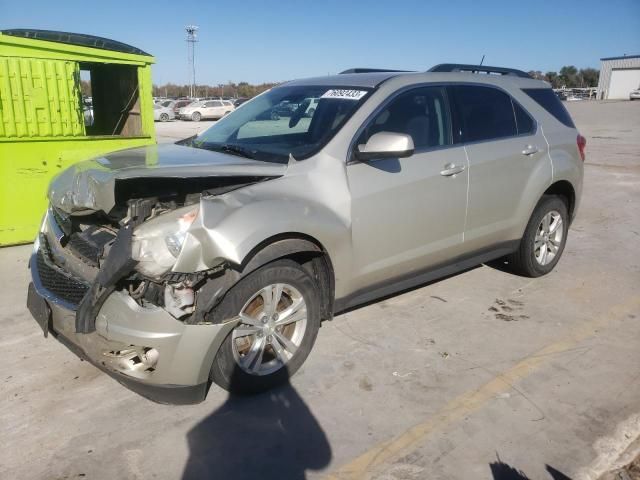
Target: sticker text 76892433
{"x": 344, "y": 94}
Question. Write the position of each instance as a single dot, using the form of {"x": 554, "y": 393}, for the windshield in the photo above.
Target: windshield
{"x": 284, "y": 121}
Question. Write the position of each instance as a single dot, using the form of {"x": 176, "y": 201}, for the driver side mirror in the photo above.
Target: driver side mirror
{"x": 385, "y": 145}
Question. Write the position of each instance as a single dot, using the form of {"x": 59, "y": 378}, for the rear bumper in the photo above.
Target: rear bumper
{"x": 144, "y": 348}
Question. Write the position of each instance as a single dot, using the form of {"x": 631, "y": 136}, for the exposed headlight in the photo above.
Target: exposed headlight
{"x": 158, "y": 242}
{"x": 41, "y": 230}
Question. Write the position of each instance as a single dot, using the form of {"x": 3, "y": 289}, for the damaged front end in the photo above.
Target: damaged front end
{"x": 134, "y": 250}
{"x": 108, "y": 283}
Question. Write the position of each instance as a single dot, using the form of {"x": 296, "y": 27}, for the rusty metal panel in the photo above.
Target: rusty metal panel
{"x": 40, "y": 98}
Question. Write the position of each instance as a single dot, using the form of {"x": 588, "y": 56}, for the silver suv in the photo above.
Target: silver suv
{"x": 217, "y": 258}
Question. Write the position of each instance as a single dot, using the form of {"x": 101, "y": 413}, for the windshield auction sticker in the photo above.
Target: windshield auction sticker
{"x": 344, "y": 94}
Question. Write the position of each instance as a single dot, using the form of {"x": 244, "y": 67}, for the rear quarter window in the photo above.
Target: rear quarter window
{"x": 550, "y": 102}
{"x": 524, "y": 122}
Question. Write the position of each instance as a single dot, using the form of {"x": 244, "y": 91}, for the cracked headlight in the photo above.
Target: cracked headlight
{"x": 158, "y": 242}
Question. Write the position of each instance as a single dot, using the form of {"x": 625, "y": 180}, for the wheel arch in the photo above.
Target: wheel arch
{"x": 564, "y": 189}
{"x": 305, "y": 250}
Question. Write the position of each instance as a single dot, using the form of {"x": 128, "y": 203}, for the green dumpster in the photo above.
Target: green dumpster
{"x": 46, "y": 124}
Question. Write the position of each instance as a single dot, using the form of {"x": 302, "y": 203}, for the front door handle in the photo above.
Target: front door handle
{"x": 450, "y": 169}
{"x": 530, "y": 150}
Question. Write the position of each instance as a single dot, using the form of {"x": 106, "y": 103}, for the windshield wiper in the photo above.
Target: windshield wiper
{"x": 225, "y": 148}
{"x": 237, "y": 150}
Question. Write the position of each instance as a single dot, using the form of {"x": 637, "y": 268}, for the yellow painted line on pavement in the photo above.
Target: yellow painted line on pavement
{"x": 465, "y": 404}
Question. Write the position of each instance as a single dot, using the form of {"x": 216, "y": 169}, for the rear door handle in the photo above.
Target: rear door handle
{"x": 450, "y": 169}
{"x": 530, "y": 150}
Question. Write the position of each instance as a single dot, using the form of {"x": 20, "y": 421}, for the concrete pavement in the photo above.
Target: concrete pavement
{"x": 482, "y": 375}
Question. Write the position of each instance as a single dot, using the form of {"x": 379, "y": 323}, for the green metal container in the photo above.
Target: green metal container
{"x": 44, "y": 124}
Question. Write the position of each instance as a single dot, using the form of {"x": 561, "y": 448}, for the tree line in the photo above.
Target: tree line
{"x": 569, "y": 77}
{"x": 230, "y": 89}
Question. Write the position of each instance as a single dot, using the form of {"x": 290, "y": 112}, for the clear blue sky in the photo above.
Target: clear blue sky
{"x": 256, "y": 41}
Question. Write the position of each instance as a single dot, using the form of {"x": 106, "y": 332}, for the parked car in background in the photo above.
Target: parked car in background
{"x": 87, "y": 111}
{"x": 239, "y": 101}
{"x": 162, "y": 114}
{"x": 284, "y": 109}
{"x": 181, "y": 102}
{"x": 634, "y": 94}
{"x": 219, "y": 261}
{"x": 210, "y": 109}
{"x": 561, "y": 94}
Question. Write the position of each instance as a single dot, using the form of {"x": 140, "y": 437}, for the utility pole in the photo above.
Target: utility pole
{"x": 192, "y": 31}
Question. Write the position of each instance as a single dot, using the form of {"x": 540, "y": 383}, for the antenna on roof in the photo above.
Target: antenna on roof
{"x": 482, "y": 60}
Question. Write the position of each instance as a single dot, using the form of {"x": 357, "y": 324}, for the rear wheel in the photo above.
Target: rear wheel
{"x": 164, "y": 117}
{"x": 279, "y": 310}
{"x": 544, "y": 238}
{"x": 195, "y": 116}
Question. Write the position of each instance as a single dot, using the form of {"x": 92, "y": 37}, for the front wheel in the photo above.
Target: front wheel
{"x": 544, "y": 238}
{"x": 164, "y": 117}
{"x": 279, "y": 310}
{"x": 195, "y": 116}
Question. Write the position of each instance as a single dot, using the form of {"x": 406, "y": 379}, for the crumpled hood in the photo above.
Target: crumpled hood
{"x": 89, "y": 186}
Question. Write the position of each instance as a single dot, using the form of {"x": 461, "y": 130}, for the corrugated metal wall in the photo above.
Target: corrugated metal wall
{"x": 607, "y": 65}
{"x": 39, "y": 98}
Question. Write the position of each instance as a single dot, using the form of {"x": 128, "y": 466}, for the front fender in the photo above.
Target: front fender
{"x": 230, "y": 227}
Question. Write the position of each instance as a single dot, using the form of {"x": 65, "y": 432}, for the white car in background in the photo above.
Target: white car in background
{"x": 163, "y": 114}
{"x": 634, "y": 94}
{"x": 208, "y": 109}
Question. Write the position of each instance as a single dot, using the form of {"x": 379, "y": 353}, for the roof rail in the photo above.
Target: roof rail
{"x": 459, "y": 67}
{"x": 371, "y": 70}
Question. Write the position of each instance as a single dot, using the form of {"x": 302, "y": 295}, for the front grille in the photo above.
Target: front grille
{"x": 89, "y": 244}
{"x": 56, "y": 280}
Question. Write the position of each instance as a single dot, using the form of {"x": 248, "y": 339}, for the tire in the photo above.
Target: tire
{"x": 164, "y": 117}
{"x": 311, "y": 112}
{"x": 196, "y": 116}
{"x": 275, "y": 116}
{"x": 233, "y": 368}
{"x": 530, "y": 260}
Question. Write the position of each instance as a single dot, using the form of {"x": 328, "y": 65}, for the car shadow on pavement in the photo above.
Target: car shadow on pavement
{"x": 504, "y": 471}
{"x": 264, "y": 436}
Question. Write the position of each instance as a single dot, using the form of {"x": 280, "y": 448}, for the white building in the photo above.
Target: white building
{"x": 618, "y": 76}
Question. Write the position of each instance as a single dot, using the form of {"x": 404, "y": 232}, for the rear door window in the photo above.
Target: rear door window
{"x": 550, "y": 102}
{"x": 482, "y": 113}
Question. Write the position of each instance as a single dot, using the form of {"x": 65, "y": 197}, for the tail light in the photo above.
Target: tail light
{"x": 582, "y": 142}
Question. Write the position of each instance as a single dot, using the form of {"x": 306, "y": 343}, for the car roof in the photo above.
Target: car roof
{"x": 366, "y": 80}
{"x": 371, "y": 78}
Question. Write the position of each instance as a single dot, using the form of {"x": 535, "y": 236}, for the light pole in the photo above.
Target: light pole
{"x": 191, "y": 56}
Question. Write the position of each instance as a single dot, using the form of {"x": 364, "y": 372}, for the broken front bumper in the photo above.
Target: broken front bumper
{"x": 144, "y": 348}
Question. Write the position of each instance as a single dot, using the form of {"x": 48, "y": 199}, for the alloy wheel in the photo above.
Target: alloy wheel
{"x": 272, "y": 326}
{"x": 548, "y": 239}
